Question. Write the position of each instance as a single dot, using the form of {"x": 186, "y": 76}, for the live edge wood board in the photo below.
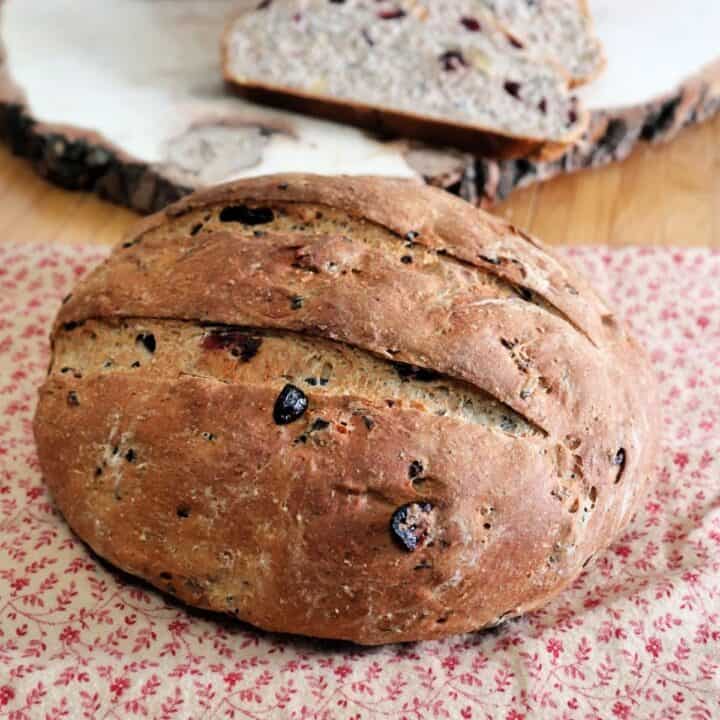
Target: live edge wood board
{"x": 125, "y": 99}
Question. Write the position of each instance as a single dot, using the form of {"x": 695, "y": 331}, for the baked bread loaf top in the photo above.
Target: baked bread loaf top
{"x": 557, "y": 29}
{"x": 444, "y": 72}
{"x": 356, "y": 408}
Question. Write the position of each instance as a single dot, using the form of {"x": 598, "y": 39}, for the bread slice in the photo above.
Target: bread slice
{"x": 441, "y": 72}
{"x": 560, "y": 30}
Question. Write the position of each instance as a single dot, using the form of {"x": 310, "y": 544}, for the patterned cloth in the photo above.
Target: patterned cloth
{"x": 637, "y": 635}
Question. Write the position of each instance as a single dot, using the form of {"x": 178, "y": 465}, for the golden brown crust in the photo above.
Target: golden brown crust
{"x": 441, "y": 221}
{"x": 306, "y": 523}
{"x": 404, "y": 273}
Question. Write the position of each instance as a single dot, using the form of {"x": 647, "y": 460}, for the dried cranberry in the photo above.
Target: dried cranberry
{"x": 470, "y": 23}
{"x": 391, "y": 14}
{"x": 239, "y": 344}
{"x": 147, "y": 340}
{"x": 452, "y": 60}
{"x": 512, "y": 88}
{"x": 515, "y": 42}
{"x": 413, "y": 525}
{"x": 246, "y": 215}
{"x": 246, "y": 348}
{"x": 290, "y": 405}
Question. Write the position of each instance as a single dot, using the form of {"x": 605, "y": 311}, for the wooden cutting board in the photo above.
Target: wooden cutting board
{"x": 661, "y": 195}
{"x": 124, "y": 98}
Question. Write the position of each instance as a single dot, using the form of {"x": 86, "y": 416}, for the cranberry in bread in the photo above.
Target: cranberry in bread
{"x": 352, "y": 408}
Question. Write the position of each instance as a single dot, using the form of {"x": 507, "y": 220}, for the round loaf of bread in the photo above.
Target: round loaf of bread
{"x": 354, "y": 408}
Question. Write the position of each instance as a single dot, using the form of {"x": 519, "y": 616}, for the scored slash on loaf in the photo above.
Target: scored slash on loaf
{"x": 355, "y": 408}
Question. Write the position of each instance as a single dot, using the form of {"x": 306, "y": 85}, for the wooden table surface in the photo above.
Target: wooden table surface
{"x": 666, "y": 195}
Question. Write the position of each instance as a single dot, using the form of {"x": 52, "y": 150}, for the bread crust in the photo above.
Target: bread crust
{"x": 295, "y": 535}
